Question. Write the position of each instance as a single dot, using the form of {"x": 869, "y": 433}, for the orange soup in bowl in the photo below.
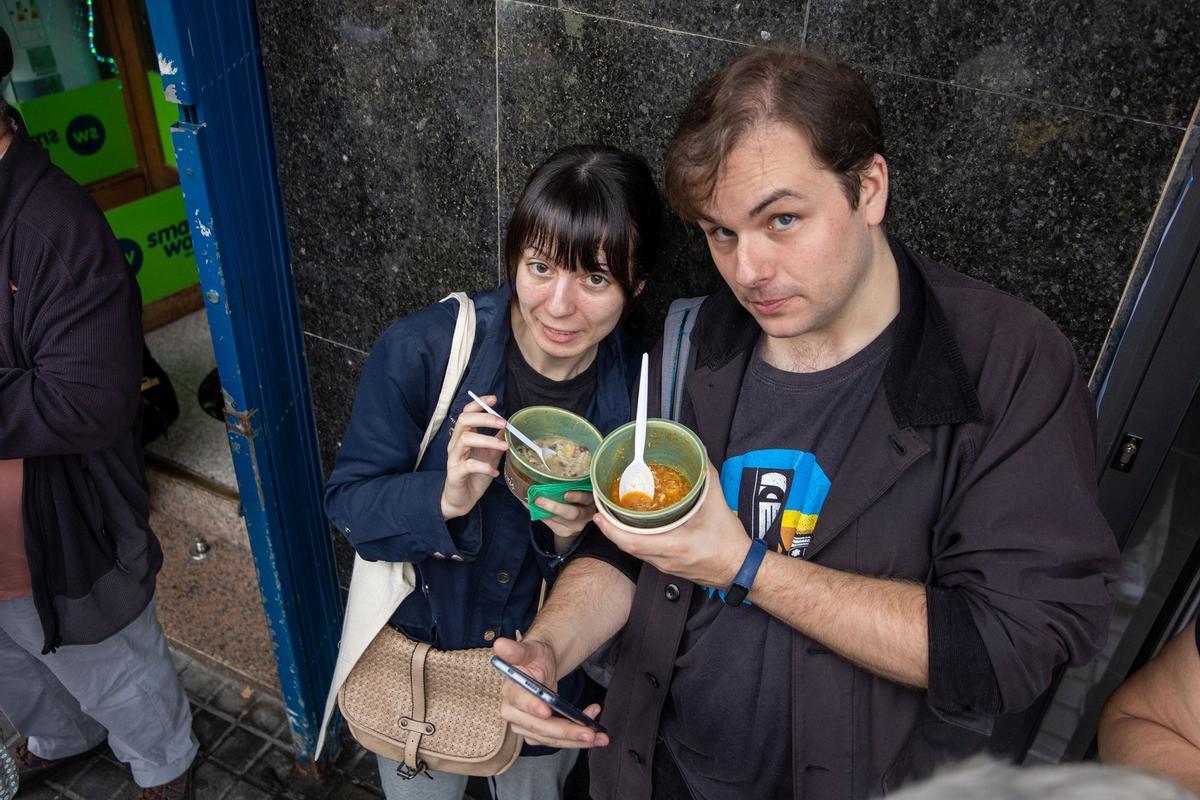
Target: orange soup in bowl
{"x": 670, "y": 486}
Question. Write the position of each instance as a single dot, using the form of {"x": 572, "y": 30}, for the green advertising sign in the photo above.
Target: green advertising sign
{"x": 85, "y": 130}
{"x": 154, "y": 236}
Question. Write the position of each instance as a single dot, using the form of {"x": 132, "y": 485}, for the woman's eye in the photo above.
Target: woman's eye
{"x": 781, "y": 221}
{"x": 721, "y": 234}
{"x": 597, "y": 280}
{"x": 538, "y": 268}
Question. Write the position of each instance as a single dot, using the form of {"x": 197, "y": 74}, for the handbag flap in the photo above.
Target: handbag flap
{"x": 462, "y": 698}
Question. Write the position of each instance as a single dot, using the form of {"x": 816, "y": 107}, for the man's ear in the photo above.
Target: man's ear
{"x": 873, "y": 190}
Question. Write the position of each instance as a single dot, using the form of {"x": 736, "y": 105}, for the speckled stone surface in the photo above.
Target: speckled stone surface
{"x": 385, "y": 123}
{"x": 214, "y": 607}
{"x": 1047, "y": 203}
{"x": 209, "y": 513}
{"x": 567, "y": 78}
{"x": 1028, "y": 145}
{"x": 334, "y": 371}
{"x": 1134, "y": 59}
{"x": 769, "y": 22}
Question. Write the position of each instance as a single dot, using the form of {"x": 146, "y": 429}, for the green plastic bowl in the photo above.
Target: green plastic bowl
{"x": 668, "y": 443}
{"x": 537, "y": 422}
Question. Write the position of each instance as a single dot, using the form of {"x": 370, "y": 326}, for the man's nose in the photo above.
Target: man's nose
{"x": 753, "y": 262}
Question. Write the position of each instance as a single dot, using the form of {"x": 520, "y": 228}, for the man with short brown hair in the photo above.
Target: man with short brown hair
{"x": 915, "y": 546}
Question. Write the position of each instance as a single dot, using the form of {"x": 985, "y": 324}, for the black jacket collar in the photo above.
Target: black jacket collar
{"x": 926, "y": 379}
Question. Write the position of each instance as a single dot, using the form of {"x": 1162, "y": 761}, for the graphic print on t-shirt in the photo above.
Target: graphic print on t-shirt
{"x": 777, "y": 495}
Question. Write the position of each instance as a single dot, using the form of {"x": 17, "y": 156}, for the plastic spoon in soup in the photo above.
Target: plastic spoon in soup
{"x": 542, "y": 452}
{"x": 637, "y": 477}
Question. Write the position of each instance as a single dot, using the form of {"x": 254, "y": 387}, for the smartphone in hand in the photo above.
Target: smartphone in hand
{"x": 547, "y": 696}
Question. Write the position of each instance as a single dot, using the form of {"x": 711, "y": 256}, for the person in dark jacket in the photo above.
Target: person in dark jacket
{"x": 82, "y": 658}
{"x": 915, "y": 546}
{"x": 580, "y": 243}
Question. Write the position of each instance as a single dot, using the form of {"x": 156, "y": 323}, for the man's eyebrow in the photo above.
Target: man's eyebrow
{"x": 778, "y": 194}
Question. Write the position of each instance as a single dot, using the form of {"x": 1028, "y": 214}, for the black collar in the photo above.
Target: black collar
{"x": 926, "y": 379}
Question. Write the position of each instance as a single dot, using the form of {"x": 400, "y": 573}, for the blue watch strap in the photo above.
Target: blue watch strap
{"x": 745, "y": 576}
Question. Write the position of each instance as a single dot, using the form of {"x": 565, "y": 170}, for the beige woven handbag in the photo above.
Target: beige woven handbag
{"x": 429, "y": 708}
{"x": 410, "y": 702}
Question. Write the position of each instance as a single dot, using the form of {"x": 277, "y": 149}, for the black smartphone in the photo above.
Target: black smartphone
{"x": 547, "y": 696}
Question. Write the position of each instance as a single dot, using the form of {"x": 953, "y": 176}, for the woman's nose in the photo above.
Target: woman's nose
{"x": 562, "y": 297}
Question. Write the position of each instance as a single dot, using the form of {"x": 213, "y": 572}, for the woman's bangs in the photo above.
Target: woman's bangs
{"x": 573, "y": 235}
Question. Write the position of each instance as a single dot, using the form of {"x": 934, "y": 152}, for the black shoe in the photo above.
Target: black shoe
{"x": 32, "y": 768}
{"x": 179, "y": 789}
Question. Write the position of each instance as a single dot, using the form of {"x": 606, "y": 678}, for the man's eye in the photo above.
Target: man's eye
{"x": 781, "y": 221}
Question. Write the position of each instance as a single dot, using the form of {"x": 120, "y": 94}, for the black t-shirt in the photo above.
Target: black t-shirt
{"x": 524, "y": 386}
{"x": 728, "y": 719}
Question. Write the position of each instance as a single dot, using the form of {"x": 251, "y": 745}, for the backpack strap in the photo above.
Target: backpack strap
{"x": 677, "y": 357}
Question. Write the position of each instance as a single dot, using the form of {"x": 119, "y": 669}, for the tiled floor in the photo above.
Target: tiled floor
{"x": 245, "y": 752}
{"x": 196, "y": 442}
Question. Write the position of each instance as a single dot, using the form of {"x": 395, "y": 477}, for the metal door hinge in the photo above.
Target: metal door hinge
{"x": 240, "y": 421}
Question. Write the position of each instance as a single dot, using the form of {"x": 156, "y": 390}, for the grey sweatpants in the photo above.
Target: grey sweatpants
{"x": 529, "y": 778}
{"x": 123, "y": 688}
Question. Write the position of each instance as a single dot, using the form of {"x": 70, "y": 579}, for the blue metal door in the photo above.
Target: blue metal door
{"x": 210, "y": 63}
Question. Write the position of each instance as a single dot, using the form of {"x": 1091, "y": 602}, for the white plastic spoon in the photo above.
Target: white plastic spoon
{"x": 637, "y": 477}
{"x": 542, "y": 452}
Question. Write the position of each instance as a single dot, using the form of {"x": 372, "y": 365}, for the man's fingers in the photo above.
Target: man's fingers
{"x": 511, "y": 651}
{"x": 553, "y": 731}
{"x": 579, "y": 498}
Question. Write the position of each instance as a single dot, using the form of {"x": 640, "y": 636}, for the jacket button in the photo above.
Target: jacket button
{"x": 502, "y": 577}
{"x": 636, "y": 758}
{"x": 671, "y": 592}
{"x": 439, "y": 555}
{"x": 652, "y": 680}
{"x": 489, "y": 635}
{"x": 455, "y": 557}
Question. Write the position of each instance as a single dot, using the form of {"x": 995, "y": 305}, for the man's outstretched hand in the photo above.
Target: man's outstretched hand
{"x": 529, "y": 716}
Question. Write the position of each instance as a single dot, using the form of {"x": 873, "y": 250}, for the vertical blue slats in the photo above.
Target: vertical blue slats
{"x": 226, "y": 157}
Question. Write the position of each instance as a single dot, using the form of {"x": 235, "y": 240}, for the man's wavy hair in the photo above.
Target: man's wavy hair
{"x": 820, "y": 96}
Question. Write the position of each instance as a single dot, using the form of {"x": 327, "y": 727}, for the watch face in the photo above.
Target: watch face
{"x": 735, "y": 595}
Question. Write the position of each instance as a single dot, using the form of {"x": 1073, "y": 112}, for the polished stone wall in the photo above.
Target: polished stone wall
{"x": 1028, "y": 143}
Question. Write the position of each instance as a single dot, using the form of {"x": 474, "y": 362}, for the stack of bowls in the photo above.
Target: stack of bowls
{"x": 667, "y": 443}
{"x": 538, "y": 422}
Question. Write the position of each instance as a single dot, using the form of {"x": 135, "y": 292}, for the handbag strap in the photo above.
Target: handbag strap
{"x": 416, "y": 725}
{"x": 456, "y": 366}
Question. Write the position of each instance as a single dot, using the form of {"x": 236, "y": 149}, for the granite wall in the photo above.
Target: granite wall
{"x": 1028, "y": 142}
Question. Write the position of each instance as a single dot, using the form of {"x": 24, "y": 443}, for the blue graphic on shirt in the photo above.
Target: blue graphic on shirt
{"x": 777, "y": 495}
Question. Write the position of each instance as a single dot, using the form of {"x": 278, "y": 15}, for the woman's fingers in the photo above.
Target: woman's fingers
{"x": 564, "y": 511}
{"x": 483, "y": 441}
{"x": 473, "y": 466}
{"x": 477, "y": 419}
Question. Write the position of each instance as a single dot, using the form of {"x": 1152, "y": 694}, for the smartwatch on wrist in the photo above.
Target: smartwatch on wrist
{"x": 745, "y": 576}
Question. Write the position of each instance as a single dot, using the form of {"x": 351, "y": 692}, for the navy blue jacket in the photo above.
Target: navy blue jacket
{"x": 391, "y": 513}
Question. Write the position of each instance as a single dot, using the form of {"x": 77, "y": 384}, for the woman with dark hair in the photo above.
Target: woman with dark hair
{"x": 579, "y": 246}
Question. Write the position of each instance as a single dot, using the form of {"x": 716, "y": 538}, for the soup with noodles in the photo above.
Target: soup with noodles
{"x": 670, "y": 486}
{"x": 568, "y": 459}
